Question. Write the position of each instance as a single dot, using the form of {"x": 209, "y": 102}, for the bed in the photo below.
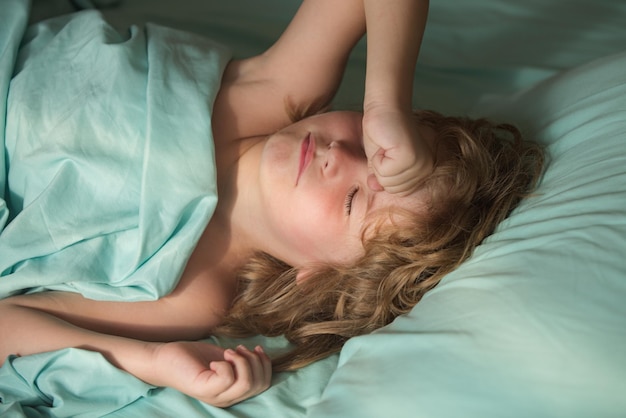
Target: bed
{"x": 532, "y": 325}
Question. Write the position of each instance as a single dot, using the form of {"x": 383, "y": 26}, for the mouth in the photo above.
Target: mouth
{"x": 307, "y": 150}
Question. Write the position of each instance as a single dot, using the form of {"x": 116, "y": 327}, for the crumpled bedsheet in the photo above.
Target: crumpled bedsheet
{"x": 107, "y": 181}
{"x": 109, "y": 151}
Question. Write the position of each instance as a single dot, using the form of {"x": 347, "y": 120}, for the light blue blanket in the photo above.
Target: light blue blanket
{"x": 108, "y": 180}
{"x": 109, "y": 152}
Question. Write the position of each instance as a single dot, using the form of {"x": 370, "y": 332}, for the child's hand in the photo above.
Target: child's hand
{"x": 211, "y": 374}
{"x": 396, "y": 152}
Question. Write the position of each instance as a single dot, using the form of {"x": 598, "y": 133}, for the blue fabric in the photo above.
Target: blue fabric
{"x": 110, "y": 157}
{"x": 56, "y": 385}
{"x": 12, "y": 25}
{"x": 109, "y": 181}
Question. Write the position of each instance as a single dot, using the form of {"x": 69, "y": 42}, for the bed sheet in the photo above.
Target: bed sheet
{"x": 100, "y": 200}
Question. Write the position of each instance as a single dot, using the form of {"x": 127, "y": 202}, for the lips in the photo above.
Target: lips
{"x": 307, "y": 150}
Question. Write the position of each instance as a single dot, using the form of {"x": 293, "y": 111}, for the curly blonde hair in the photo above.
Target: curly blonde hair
{"x": 484, "y": 171}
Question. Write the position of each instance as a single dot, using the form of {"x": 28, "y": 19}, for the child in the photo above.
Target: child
{"x": 328, "y": 225}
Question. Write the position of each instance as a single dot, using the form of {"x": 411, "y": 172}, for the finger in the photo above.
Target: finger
{"x": 243, "y": 372}
{"x": 214, "y": 390}
{"x": 391, "y": 162}
{"x": 374, "y": 184}
{"x": 261, "y": 366}
{"x": 256, "y": 367}
{"x": 238, "y": 376}
{"x": 371, "y": 148}
{"x": 393, "y": 178}
{"x": 224, "y": 371}
{"x": 402, "y": 186}
{"x": 403, "y": 183}
{"x": 267, "y": 365}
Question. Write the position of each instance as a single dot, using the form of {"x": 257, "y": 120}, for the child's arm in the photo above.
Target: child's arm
{"x": 207, "y": 372}
{"x": 398, "y": 155}
{"x": 304, "y": 67}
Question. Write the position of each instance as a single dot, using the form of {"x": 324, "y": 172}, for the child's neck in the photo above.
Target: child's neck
{"x": 234, "y": 222}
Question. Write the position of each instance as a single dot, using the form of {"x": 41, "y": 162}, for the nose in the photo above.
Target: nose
{"x": 340, "y": 155}
{"x": 329, "y": 159}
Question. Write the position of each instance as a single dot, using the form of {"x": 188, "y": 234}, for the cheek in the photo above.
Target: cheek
{"x": 312, "y": 222}
{"x": 329, "y": 241}
{"x": 277, "y": 158}
{"x": 313, "y": 229}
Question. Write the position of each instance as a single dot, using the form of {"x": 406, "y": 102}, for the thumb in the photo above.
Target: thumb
{"x": 373, "y": 184}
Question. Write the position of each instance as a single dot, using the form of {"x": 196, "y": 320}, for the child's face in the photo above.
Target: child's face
{"x": 313, "y": 182}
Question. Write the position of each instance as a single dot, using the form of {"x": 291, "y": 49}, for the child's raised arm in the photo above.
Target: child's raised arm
{"x": 398, "y": 155}
{"x": 305, "y": 66}
{"x": 302, "y": 69}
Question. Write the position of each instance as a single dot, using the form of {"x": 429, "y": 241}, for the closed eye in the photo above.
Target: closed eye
{"x": 349, "y": 199}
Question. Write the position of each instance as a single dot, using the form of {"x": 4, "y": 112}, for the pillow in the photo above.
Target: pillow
{"x": 501, "y": 46}
{"x": 532, "y": 325}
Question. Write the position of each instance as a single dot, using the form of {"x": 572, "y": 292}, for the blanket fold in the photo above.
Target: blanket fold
{"x": 111, "y": 176}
